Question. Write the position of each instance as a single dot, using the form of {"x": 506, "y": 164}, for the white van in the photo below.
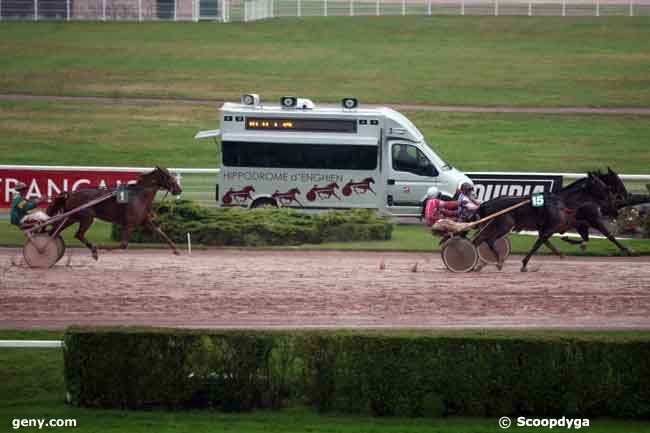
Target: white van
{"x": 295, "y": 154}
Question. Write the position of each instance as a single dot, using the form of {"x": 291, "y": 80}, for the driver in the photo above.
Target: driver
{"x": 21, "y": 207}
{"x": 434, "y": 209}
{"x": 468, "y": 203}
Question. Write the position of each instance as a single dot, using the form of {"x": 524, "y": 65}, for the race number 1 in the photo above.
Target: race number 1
{"x": 122, "y": 194}
{"x": 537, "y": 200}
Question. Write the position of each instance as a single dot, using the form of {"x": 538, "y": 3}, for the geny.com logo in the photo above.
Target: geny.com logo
{"x": 40, "y": 423}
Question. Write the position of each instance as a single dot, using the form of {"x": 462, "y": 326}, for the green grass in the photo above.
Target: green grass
{"x": 32, "y": 387}
{"x": 404, "y": 238}
{"x": 91, "y": 133}
{"x": 544, "y": 61}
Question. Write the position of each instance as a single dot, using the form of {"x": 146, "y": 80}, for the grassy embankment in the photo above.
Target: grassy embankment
{"x": 32, "y": 387}
{"x": 537, "y": 61}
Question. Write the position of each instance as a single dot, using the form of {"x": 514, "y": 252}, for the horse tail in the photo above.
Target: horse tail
{"x": 58, "y": 204}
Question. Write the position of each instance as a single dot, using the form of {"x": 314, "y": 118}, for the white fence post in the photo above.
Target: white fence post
{"x": 325, "y": 8}
{"x": 103, "y": 10}
{"x": 67, "y": 10}
{"x": 563, "y": 8}
{"x": 462, "y": 7}
{"x": 377, "y": 11}
{"x": 351, "y": 8}
{"x": 429, "y": 8}
{"x": 496, "y": 8}
{"x": 35, "y": 10}
{"x": 139, "y": 11}
{"x": 175, "y": 10}
{"x": 597, "y": 8}
{"x": 403, "y": 7}
{"x": 631, "y": 8}
{"x": 530, "y": 8}
{"x": 299, "y": 8}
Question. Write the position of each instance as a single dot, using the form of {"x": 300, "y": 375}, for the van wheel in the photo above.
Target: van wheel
{"x": 264, "y": 202}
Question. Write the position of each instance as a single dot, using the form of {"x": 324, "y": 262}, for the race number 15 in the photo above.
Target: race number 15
{"x": 537, "y": 200}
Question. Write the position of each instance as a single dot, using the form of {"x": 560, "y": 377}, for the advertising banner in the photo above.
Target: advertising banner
{"x": 50, "y": 183}
{"x": 489, "y": 186}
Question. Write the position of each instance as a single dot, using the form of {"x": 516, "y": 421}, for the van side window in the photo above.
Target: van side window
{"x": 298, "y": 155}
{"x": 411, "y": 159}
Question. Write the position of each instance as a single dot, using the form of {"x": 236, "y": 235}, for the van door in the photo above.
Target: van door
{"x": 409, "y": 174}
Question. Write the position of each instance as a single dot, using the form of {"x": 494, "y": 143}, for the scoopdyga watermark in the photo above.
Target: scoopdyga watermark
{"x": 550, "y": 423}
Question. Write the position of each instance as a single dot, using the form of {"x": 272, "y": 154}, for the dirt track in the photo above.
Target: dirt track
{"x": 235, "y": 288}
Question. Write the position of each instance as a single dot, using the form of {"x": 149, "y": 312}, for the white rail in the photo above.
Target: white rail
{"x": 47, "y": 344}
{"x": 252, "y": 10}
{"x": 104, "y": 168}
{"x": 568, "y": 176}
{"x": 215, "y": 171}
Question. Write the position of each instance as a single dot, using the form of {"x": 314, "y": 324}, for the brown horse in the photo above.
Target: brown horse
{"x": 136, "y": 212}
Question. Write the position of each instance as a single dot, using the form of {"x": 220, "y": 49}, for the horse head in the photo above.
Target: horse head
{"x": 615, "y": 184}
{"x": 162, "y": 178}
{"x": 602, "y": 194}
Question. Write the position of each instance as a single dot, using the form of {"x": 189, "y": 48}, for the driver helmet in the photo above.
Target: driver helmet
{"x": 466, "y": 187}
{"x": 432, "y": 192}
{"x": 20, "y": 186}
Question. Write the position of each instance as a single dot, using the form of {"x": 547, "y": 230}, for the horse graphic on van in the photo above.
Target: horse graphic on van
{"x": 323, "y": 192}
{"x": 358, "y": 187}
{"x": 286, "y": 198}
{"x": 239, "y": 197}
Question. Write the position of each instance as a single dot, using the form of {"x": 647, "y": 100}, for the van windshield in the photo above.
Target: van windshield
{"x": 439, "y": 162}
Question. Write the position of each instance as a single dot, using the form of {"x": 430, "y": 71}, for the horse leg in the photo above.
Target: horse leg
{"x": 157, "y": 229}
{"x": 598, "y": 225}
{"x": 555, "y": 251}
{"x": 489, "y": 234}
{"x": 543, "y": 237}
{"x": 84, "y": 225}
{"x": 583, "y": 231}
{"x": 125, "y": 236}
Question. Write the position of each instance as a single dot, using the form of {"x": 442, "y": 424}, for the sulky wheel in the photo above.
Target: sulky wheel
{"x": 41, "y": 251}
{"x": 459, "y": 254}
{"x": 502, "y": 245}
{"x": 60, "y": 246}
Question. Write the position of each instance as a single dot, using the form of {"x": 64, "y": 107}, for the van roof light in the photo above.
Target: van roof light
{"x": 350, "y": 103}
{"x": 288, "y": 101}
{"x": 250, "y": 99}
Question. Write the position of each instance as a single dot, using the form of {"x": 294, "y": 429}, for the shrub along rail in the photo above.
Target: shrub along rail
{"x": 397, "y": 373}
{"x": 261, "y": 227}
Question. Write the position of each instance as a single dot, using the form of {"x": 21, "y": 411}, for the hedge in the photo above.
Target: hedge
{"x": 405, "y": 374}
{"x": 260, "y": 227}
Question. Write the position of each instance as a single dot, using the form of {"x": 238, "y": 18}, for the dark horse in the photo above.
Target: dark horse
{"x": 587, "y": 215}
{"x": 137, "y": 212}
{"x": 557, "y": 215}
